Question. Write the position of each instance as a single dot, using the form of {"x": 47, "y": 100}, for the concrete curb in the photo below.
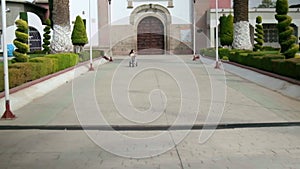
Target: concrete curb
{"x": 221, "y": 126}
{"x": 25, "y": 94}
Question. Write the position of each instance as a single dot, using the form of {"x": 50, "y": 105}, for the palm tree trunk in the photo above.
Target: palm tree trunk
{"x": 61, "y": 39}
{"x": 241, "y": 39}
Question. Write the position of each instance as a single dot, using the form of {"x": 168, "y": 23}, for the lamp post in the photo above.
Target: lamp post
{"x": 90, "y": 38}
{"x": 217, "y": 36}
{"x": 195, "y": 56}
{"x": 109, "y": 14}
{"x": 194, "y": 30}
{"x": 7, "y": 114}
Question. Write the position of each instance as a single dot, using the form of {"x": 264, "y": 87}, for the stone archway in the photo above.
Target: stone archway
{"x": 150, "y": 36}
{"x": 160, "y": 18}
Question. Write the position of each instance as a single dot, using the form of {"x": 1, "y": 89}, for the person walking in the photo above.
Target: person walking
{"x": 133, "y": 61}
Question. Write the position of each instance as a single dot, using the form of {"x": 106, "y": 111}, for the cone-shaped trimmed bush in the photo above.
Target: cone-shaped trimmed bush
{"x": 47, "y": 37}
{"x": 79, "y": 36}
{"x": 21, "y": 41}
{"x": 222, "y": 29}
{"x": 226, "y": 30}
{"x": 259, "y": 33}
{"x": 230, "y": 28}
{"x": 287, "y": 40}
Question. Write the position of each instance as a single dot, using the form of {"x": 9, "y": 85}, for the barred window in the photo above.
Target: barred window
{"x": 271, "y": 33}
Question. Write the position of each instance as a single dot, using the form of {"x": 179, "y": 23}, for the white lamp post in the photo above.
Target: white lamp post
{"x": 194, "y": 38}
{"x": 90, "y": 38}
{"x": 217, "y": 36}
{"x": 109, "y": 13}
{"x": 7, "y": 114}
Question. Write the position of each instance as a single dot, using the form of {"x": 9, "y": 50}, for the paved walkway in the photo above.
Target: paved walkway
{"x": 161, "y": 91}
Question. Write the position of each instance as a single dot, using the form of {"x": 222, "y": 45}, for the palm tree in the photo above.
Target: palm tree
{"x": 241, "y": 38}
{"x": 60, "y": 14}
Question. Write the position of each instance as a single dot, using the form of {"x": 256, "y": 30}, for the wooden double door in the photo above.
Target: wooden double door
{"x": 151, "y": 36}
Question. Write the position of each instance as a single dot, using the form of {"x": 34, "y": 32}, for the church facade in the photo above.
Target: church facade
{"x": 153, "y": 26}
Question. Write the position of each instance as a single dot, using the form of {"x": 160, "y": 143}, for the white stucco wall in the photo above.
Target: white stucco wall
{"x": 181, "y": 13}
{"x": 33, "y": 21}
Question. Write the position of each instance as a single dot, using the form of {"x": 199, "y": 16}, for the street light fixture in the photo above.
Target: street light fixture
{"x": 7, "y": 114}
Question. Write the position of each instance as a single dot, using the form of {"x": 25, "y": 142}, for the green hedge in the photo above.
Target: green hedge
{"x": 269, "y": 48}
{"x": 224, "y": 52}
{"x": 238, "y": 55}
{"x": 36, "y": 68}
{"x": 269, "y": 60}
{"x": 20, "y": 73}
{"x": 64, "y": 60}
{"x": 210, "y": 52}
{"x": 48, "y": 65}
{"x": 85, "y": 55}
{"x": 288, "y": 67}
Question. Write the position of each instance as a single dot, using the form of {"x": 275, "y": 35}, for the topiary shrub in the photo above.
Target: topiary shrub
{"x": 79, "y": 37}
{"x": 287, "y": 40}
{"x": 47, "y": 37}
{"x": 226, "y": 30}
{"x": 222, "y": 26}
{"x": 21, "y": 41}
{"x": 259, "y": 33}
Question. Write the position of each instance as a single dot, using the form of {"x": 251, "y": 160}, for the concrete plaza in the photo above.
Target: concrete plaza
{"x": 162, "y": 91}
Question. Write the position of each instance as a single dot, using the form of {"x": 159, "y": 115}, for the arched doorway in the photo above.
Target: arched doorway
{"x": 150, "y": 36}
{"x": 35, "y": 42}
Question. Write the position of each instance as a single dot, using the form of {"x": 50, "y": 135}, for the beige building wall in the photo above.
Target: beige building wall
{"x": 179, "y": 44}
{"x": 123, "y": 39}
{"x": 202, "y": 28}
{"x": 103, "y": 25}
